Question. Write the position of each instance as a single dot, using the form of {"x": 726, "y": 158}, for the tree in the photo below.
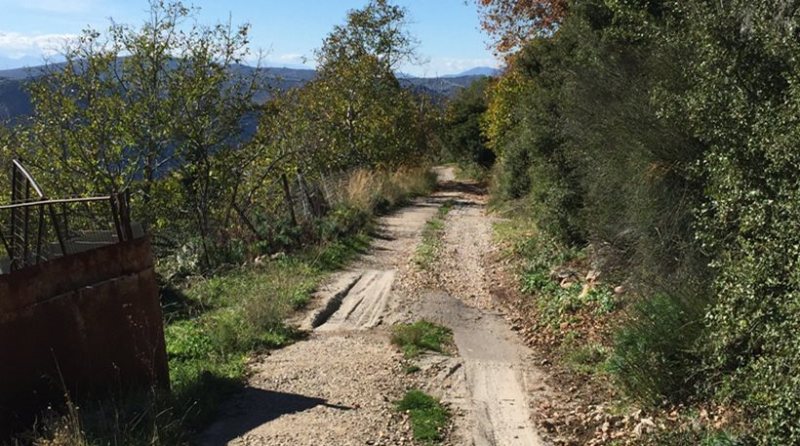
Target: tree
{"x": 355, "y": 112}
{"x": 463, "y": 138}
{"x": 377, "y": 30}
{"x": 7, "y": 153}
{"x": 160, "y": 110}
{"x": 511, "y": 23}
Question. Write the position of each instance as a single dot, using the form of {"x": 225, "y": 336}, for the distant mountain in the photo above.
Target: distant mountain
{"x": 478, "y": 71}
{"x": 15, "y": 101}
{"x": 440, "y": 87}
{"x": 18, "y": 74}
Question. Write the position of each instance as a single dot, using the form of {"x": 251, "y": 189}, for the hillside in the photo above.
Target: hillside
{"x": 15, "y": 101}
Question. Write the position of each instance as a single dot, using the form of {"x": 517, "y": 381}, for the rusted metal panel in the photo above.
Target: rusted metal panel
{"x": 41, "y": 282}
{"x": 88, "y": 323}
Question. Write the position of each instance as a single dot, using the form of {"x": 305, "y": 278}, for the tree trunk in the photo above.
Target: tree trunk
{"x": 288, "y": 195}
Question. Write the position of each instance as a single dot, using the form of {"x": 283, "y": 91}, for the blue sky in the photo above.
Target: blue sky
{"x": 450, "y": 40}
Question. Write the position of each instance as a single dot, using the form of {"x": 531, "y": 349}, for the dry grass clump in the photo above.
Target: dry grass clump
{"x": 378, "y": 190}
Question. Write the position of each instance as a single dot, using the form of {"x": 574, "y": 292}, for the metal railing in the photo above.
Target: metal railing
{"x": 34, "y": 228}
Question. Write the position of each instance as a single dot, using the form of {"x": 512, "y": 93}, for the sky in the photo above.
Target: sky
{"x": 448, "y": 31}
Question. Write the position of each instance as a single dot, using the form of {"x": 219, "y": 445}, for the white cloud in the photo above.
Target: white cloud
{"x": 288, "y": 60}
{"x": 14, "y": 45}
{"x": 293, "y": 59}
{"x": 290, "y": 57}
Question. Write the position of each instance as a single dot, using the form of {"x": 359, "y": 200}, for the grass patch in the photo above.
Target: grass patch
{"x": 703, "y": 436}
{"x": 588, "y": 358}
{"x": 431, "y": 243}
{"x": 420, "y": 336}
{"x": 428, "y": 417}
{"x": 243, "y": 311}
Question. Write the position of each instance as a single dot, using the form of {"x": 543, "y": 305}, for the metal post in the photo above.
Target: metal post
{"x": 41, "y": 235}
{"x": 26, "y": 227}
{"x": 12, "y": 255}
{"x": 114, "y": 203}
{"x": 59, "y": 235}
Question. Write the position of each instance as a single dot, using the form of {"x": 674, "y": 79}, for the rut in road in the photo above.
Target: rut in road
{"x": 498, "y": 378}
{"x": 338, "y": 387}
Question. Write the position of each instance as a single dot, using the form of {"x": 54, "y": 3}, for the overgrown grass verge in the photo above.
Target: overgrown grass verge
{"x": 213, "y": 325}
{"x": 429, "y": 417}
{"x": 641, "y": 350}
{"x": 649, "y": 349}
{"x": 420, "y": 336}
{"x": 376, "y": 192}
{"x": 431, "y": 242}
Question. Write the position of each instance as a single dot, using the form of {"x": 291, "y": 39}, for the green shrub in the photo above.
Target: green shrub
{"x": 665, "y": 135}
{"x": 511, "y": 173}
{"x": 656, "y": 353}
{"x": 585, "y": 357}
{"x": 428, "y": 416}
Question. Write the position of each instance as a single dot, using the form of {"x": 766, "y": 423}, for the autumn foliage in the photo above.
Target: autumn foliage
{"x": 513, "y": 22}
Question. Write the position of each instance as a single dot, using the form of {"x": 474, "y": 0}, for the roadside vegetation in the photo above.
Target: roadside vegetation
{"x": 421, "y": 336}
{"x": 429, "y": 418}
{"x": 645, "y": 153}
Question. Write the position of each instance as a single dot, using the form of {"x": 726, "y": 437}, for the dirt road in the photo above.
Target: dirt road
{"x": 338, "y": 387}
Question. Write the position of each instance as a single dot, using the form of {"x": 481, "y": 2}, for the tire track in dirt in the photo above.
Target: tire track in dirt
{"x": 338, "y": 386}
{"x": 498, "y": 378}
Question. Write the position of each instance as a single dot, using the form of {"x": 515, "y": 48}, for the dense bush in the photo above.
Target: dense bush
{"x": 664, "y": 135}
{"x": 656, "y": 352}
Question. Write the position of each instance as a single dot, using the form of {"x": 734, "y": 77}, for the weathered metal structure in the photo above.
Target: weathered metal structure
{"x": 79, "y": 302}
{"x": 38, "y": 229}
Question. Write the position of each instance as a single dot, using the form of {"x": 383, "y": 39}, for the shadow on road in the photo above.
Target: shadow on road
{"x": 256, "y": 407}
{"x": 463, "y": 187}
